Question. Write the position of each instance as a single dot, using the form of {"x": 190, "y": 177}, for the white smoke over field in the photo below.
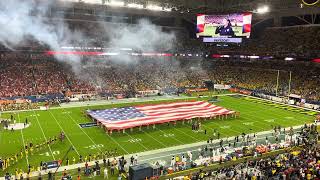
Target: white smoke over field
{"x": 143, "y": 36}
{"x": 22, "y": 21}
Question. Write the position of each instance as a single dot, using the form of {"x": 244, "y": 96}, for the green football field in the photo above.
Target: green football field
{"x": 256, "y": 115}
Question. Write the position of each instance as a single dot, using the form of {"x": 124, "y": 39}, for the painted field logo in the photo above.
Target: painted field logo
{"x": 49, "y": 154}
{"x": 96, "y": 146}
{"x": 248, "y": 123}
{"x": 87, "y": 125}
{"x": 168, "y": 135}
{"x": 310, "y": 2}
{"x": 225, "y": 127}
{"x": 134, "y": 140}
{"x": 269, "y": 120}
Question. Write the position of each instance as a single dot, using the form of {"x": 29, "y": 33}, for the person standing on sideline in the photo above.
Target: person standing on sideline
{"x": 173, "y": 162}
{"x": 50, "y": 175}
{"x": 104, "y": 162}
{"x": 136, "y": 159}
{"x": 267, "y": 140}
{"x": 105, "y": 172}
{"x": 112, "y": 169}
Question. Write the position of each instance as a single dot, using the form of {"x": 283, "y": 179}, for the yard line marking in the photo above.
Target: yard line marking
{"x": 237, "y": 132}
{"x": 117, "y": 144}
{"x": 280, "y": 115}
{"x": 249, "y": 113}
{"x": 171, "y": 136}
{"x": 23, "y": 142}
{"x": 154, "y": 138}
{"x": 138, "y": 142}
{"x": 187, "y": 134}
{"x": 82, "y": 130}
{"x": 64, "y": 132}
{"x": 114, "y": 142}
{"x": 44, "y": 135}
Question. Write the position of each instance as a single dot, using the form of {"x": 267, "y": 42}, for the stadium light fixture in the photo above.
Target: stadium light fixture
{"x": 137, "y": 6}
{"x": 115, "y": 3}
{"x": 263, "y": 10}
{"x": 154, "y": 7}
{"x": 289, "y": 59}
{"x": 167, "y": 9}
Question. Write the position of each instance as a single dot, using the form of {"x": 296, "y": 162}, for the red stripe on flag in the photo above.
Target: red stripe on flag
{"x": 162, "y": 113}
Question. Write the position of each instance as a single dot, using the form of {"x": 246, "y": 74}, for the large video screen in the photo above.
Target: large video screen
{"x": 224, "y": 28}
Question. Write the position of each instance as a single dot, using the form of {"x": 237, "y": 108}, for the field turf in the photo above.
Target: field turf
{"x": 256, "y": 115}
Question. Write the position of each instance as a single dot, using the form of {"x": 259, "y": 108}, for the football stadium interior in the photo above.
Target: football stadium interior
{"x": 159, "y": 89}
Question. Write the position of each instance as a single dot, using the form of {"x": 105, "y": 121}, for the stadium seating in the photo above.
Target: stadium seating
{"x": 23, "y": 75}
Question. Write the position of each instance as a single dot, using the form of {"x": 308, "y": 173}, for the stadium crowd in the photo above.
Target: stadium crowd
{"x": 274, "y": 41}
{"x": 301, "y": 163}
{"x": 243, "y": 74}
{"x": 26, "y": 75}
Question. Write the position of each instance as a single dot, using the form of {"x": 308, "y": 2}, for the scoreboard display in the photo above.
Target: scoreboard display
{"x": 224, "y": 28}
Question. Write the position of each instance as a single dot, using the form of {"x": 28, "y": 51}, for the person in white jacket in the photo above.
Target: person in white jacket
{"x": 105, "y": 173}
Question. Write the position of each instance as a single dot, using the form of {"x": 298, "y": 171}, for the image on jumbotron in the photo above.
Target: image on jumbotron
{"x": 159, "y": 90}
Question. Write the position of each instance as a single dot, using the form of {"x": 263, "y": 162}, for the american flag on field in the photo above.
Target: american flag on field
{"x": 135, "y": 116}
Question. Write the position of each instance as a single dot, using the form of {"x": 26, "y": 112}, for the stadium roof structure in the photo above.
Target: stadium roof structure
{"x": 207, "y": 5}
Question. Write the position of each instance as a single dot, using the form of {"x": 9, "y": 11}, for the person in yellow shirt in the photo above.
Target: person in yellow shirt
{"x": 186, "y": 178}
{"x": 309, "y": 176}
{"x": 8, "y": 162}
{"x": 32, "y": 169}
{"x": 5, "y": 164}
{"x": 201, "y": 175}
{"x": 17, "y": 174}
{"x": 31, "y": 150}
{"x": 254, "y": 177}
{"x": 26, "y": 152}
{"x": 21, "y": 173}
{"x": 16, "y": 157}
{"x": 21, "y": 154}
{"x": 12, "y": 159}
{"x": 234, "y": 158}
{"x": 177, "y": 159}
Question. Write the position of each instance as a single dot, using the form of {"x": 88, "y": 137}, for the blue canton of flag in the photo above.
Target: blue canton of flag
{"x": 116, "y": 114}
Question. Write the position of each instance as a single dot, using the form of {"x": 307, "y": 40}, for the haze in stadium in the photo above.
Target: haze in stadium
{"x": 141, "y": 89}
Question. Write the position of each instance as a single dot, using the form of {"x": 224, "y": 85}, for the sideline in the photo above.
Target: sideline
{"x": 169, "y": 151}
{"x": 114, "y": 102}
{"x": 107, "y": 102}
{"x": 276, "y": 102}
